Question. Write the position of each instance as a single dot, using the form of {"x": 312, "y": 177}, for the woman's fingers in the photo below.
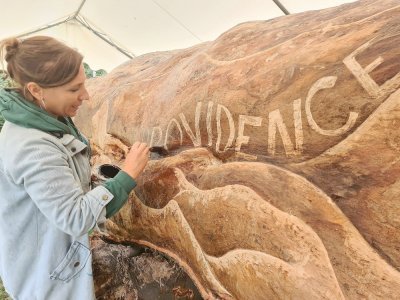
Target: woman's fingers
{"x": 136, "y": 159}
{"x": 135, "y": 145}
{"x": 139, "y": 146}
{"x": 142, "y": 146}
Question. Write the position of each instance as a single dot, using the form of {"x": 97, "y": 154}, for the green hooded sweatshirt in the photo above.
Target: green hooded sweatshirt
{"x": 16, "y": 109}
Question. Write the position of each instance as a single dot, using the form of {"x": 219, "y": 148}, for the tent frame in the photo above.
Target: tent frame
{"x": 76, "y": 17}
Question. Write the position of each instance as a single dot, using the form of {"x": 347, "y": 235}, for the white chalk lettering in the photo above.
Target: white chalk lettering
{"x": 209, "y": 128}
{"x": 276, "y": 121}
{"x": 219, "y": 131}
{"x": 243, "y": 139}
{"x": 298, "y": 126}
{"x": 156, "y": 136}
{"x": 145, "y": 135}
{"x": 196, "y": 140}
{"x": 168, "y": 129}
{"x": 362, "y": 75}
{"x": 325, "y": 83}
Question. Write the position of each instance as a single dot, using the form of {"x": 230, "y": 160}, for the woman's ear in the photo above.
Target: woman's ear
{"x": 35, "y": 90}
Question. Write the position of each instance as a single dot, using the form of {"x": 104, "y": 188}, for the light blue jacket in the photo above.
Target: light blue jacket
{"x": 46, "y": 211}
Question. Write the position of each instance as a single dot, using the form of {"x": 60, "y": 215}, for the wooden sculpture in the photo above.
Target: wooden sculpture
{"x": 280, "y": 173}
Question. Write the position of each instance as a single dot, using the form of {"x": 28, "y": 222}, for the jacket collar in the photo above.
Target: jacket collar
{"x": 20, "y": 111}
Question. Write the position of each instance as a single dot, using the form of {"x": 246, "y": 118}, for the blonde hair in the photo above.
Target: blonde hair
{"x": 40, "y": 59}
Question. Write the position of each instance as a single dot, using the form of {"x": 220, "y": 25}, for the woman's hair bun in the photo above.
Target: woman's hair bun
{"x": 40, "y": 59}
{"x": 11, "y": 46}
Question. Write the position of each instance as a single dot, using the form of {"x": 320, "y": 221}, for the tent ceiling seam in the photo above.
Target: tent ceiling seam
{"x": 79, "y": 9}
{"x": 69, "y": 18}
{"x": 103, "y": 36}
{"x": 177, "y": 20}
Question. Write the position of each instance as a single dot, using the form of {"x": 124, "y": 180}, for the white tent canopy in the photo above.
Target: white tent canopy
{"x": 109, "y": 32}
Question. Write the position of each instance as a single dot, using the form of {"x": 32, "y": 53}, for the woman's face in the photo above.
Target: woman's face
{"x": 65, "y": 100}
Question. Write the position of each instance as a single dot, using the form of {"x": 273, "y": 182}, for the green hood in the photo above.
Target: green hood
{"x": 18, "y": 110}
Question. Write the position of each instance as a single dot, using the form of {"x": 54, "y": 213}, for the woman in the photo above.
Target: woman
{"x": 46, "y": 205}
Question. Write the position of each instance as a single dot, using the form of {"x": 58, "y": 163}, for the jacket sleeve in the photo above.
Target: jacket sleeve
{"x": 44, "y": 172}
{"x": 120, "y": 186}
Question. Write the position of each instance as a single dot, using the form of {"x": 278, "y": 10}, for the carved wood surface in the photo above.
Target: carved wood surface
{"x": 281, "y": 176}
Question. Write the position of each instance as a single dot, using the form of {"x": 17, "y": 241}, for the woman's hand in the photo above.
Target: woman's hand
{"x": 136, "y": 159}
